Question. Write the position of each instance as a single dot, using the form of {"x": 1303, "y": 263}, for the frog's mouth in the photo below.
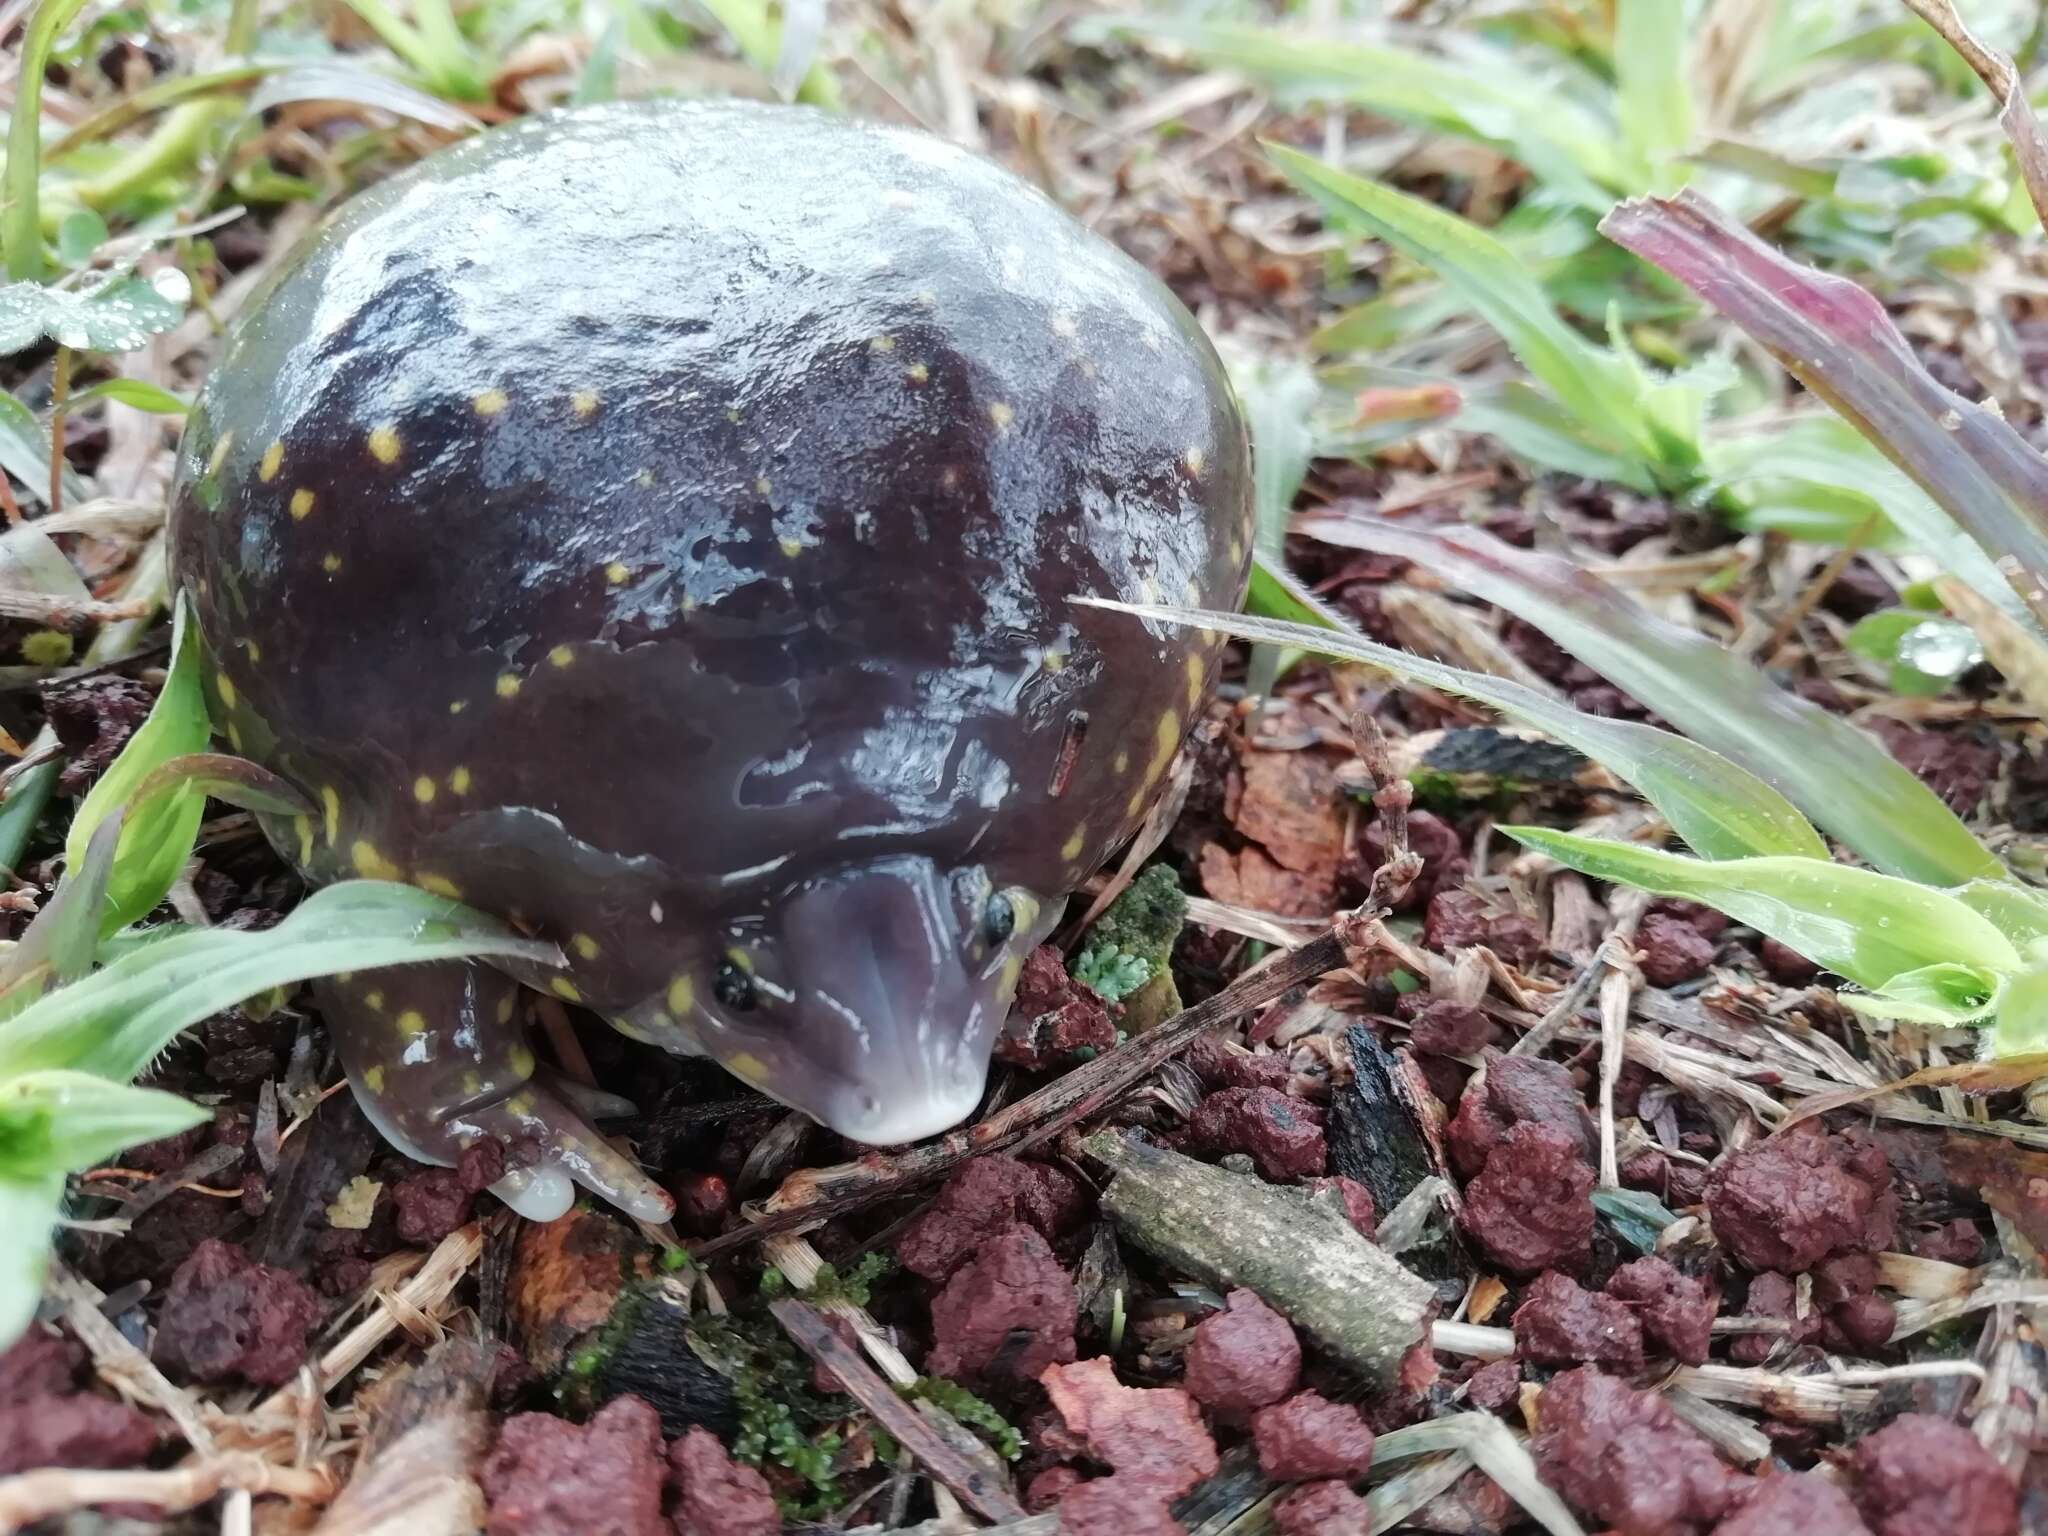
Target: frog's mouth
{"x": 881, "y": 998}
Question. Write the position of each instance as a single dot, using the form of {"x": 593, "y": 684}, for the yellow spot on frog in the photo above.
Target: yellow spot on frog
{"x": 373, "y": 1079}
{"x": 1198, "y": 672}
{"x": 371, "y": 864}
{"x": 255, "y": 653}
{"x": 439, "y": 885}
{"x": 584, "y": 945}
{"x": 882, "y": 344}
{"x": 489, "y": 403}
{"x": 764, "y": 486}
{"x": 271, "y": 462}
{"x": 505, "y": 1007}
{"x": 520, "y": 1104}
{"x": 412, "y": 1023}
{"x": 616, "y": 573}
{"x": 644, "y": 479}
{"x": 384, "y": 445}
{"x": 1148, "y": 590}
{"x": 1001, "y": 415}
{"x": 1122, "y": 762}
{"x": 1065, "y": 325}
{"x": 343, "y": 978}
{"x": 1236, "y": 550}
{"x": 47, "y": 648}
{"x": 508, "y": 686}
{"x": 791, "y": 547}
{"x": 1006, "y": 980}
{"x": 561, "y": 656}
{"x": 584, "y": 404}
{"x": 917, "y": 373}
{"x": 748, "y": 1067}
{"x": 458, "y": 781}
{"x": 565, "y": 989}
{"x": 226, "y": 688}
{"x": 304, "y": 824}
{"x": 1166, "y": 744}
{"x": 682, "y": 993}
{"x": 302, "y": 504}
{"x": 330, "y": 562}
{"x": 457, "y": 706}
{"x": 520, "y": 1060}
{"x": 331, "y": 802}
{"x": 220, "y": 453}
{"x": 741, "y": 958}
{"x": 234, "y": 736}
{"x": 374, "y": 1001}
{"x": 1194, "y": 458}
{"x": 1070, "y": 850}
{"x": 472, "y": 1084}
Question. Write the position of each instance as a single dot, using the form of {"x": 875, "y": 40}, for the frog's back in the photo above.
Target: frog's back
{"x": 744, "y": 456}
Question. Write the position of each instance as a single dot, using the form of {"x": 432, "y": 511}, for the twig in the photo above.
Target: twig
{"x": 121, "y": 1363}
{"x": 34, "y": 1496}
{"x": 2016, "y": 115}
{"x": 982, "y": 1493}
{"x": 814, "y": 1195}
{"x": 1392, "y": 795}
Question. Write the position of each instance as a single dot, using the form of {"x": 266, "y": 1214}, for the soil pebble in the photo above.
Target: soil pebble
{"x": 1625, "y": 1459}
{"x": 1517, "y": 1090}
{"x": 1790, "y": 1201}
{"x": 548, "y": 1477}
{"x": 1560, "y": 1322}
{"x": 715, "y": 1495}
{"x": 1006, "y": 1314}
{"x": 1920, "y": 1474}
{"x": 1322, "y": 1509}
{"x": 1243, "y": 1357}
{"x": 1676, "y": 1311}
{"x": 226, "y": 1316}
{"x": 1309, "y": 1437}
{"x": 1282, "y": 1135}
{"x": 1531, "y": 1208}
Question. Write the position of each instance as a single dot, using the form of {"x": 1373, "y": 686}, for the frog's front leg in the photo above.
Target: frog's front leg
{"x": 438, "y": 1058}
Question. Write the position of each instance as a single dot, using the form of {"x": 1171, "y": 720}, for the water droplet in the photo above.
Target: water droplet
{"x": 1940, "y": 648}
{"x": 171, "y": 283}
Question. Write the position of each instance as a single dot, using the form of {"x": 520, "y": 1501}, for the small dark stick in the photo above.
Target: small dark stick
{"x": 974, "y": 1486}
{"x": 1391, "y": 796}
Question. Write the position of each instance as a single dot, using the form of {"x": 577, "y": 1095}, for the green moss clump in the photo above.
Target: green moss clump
{"x": 974, "y": 1412}
{"x": 1128, "y": 956}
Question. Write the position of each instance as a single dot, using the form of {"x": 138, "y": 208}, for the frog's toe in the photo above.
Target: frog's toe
{"x": 570, "y": 1150}
{"x": 538, "y": 1194}
{"x": 594, "y": 1103}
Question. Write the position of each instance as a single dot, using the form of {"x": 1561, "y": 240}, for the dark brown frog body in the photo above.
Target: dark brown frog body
{"x": 656, "y": 523}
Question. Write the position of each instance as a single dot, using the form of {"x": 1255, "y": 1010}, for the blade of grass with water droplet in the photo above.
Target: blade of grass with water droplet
{"x": 1723, "y": 811}
{"x": 1838, "y": 775}
{"x": 1837, "y": 340}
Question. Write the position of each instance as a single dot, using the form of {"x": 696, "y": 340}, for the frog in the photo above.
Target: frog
{"x": 664, "y": 526}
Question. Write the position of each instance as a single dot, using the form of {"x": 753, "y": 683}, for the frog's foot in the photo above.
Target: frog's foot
{"x": 439, "y": 1061}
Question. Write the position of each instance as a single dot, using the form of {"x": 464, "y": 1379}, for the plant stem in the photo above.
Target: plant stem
{"x": 60, "y": 392}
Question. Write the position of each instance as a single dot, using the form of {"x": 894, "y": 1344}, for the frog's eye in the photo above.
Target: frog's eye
{"x": 999, "y": 918}
{"x": 733, "y": 986}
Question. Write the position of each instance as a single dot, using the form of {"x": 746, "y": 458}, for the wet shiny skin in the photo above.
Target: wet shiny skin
{"x": 655, "y": 523}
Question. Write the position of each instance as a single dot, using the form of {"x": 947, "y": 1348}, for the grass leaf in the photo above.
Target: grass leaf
{"x": 159, "y": 836}
{"x": 118, "y": 315}
{"x": 60, "y": 1122}
{"x": 1720, "y": 809}
{"x": 1837, "y": 774}
{"x": 21, "y": 217}
{"x": 1868, "y": 927}
{"x": 1487, "y": 95}
{"x": 1593, "y": 385}
{"x": 28, "y": 1209}
{"x": 1653, "y": 83}
{"x": 1837, "y": 340}
{"x": 114, "y": 1021}
{"x": 1495, "y": 1450}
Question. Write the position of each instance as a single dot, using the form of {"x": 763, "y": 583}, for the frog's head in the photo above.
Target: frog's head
{"x": 870, "y": 996}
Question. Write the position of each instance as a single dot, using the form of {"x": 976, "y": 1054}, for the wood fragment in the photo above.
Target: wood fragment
{"x": 982, "y": 1488}
{"x": 1304, "y": 1258}
{"x": 417, "y": 1472}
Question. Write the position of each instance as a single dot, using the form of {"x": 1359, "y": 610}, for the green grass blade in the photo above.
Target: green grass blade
{"x": 1721, "y": 810}
{"x": 59, "y": 1122}
{"x": 1653, "y": 83}
{"x": 114, "y": 1022}
{"x": 21, "y": 217}
{"x": 28, "y": 1210}
{"x": 1490, "y": 95}
{"x": 1594, "y": 386}
{"x": 1868, "y": 927}
{"x": 1840, "y": 776}
{"x": 159, "y": 836}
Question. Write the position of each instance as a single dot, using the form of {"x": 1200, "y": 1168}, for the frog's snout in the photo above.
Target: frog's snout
{"x": 893, "y": 1005}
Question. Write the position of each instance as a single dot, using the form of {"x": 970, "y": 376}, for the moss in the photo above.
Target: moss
{"x": 1128, "y": 956}
{"x": 974, "y": 1412}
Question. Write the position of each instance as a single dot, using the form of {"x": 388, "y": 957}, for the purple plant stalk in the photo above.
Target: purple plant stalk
{"x": 1837, "y": 340}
